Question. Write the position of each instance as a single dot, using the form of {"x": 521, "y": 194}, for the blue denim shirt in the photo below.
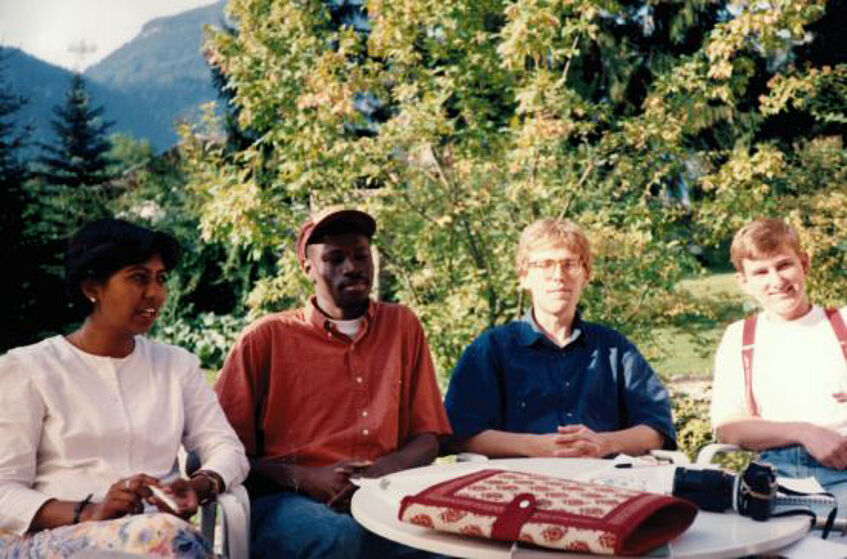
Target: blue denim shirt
{"x": 513, "y": 378}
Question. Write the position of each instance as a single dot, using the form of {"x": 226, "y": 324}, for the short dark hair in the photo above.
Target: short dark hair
{"x": 102, "y": 247}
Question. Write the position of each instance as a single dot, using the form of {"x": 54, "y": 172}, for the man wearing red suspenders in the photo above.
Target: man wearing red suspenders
{"x": 780, "y": 382}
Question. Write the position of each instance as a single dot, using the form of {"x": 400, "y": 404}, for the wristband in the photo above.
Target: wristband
{"x": 79, "y": 506}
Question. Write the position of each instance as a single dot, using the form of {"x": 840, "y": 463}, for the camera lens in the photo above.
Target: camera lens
{"x": 710, "y": 490}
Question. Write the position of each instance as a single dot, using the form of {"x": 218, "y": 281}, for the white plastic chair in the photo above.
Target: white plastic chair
{"x": 234, "y": 505}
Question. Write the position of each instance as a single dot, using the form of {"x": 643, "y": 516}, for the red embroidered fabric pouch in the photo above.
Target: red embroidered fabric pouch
{"x": 550, "y": 512}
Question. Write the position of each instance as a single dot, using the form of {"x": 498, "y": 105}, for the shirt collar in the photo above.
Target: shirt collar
{"x": 530, "y": 332}
{"x": 319, "y": 320}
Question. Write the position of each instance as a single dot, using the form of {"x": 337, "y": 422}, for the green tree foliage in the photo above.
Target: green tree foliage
{"x": 16, "y": 282}
{"x": 459, "y": 122}
{"x": 73, "y": 173}
{"x": 68, "y": 186}
{"x": 789, "y": 68}
{"x": 78, "y": 158}
{"x": 13, "y": 171}
{"x": 127, "y": 153}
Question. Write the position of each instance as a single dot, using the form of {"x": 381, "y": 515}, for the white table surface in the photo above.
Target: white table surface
{"x": 376, "y": 504}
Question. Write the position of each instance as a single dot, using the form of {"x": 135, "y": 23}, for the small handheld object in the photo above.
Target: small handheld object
{"x": 160, "y": 494}
{"x": 357, "y": 467}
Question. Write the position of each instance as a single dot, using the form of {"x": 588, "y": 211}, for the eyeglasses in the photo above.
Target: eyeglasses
{"x": 569, "y": 267}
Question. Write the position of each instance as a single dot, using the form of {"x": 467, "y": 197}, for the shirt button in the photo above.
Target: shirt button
{"x": 569, "y": 414}
{"x": 523, "y": 404}
{"x": 365, "y": 413}
{"x": 567, "y": 384}
{"x": 366, "y": 432}
{"x": 359, "y": 380}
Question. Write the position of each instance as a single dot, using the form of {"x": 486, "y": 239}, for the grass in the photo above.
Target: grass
{"x": 686, "y": 356}
{"x": 719, "y": 285}
{"x": 687, "y": 352}
{"x": 211, "y": 376}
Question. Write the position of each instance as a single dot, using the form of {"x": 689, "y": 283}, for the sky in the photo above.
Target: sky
{"x": 47, "y": 29}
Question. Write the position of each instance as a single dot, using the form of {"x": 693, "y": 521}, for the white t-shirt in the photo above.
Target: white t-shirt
{"x": 73, "y": 423}
{"x": 797, "y": 366}
{"x": 349, "y": 327}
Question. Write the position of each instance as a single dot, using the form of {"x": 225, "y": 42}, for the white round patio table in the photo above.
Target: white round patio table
{"x": 712, "y": 535}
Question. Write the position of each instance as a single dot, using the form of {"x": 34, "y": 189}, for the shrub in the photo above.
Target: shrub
{"x": 208, "y": 335}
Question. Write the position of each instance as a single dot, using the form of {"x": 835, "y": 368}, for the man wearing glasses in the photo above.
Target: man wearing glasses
{"x": 552, "y": 384}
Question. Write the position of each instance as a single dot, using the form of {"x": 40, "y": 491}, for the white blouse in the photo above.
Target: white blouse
{"x": 72, "y": 423}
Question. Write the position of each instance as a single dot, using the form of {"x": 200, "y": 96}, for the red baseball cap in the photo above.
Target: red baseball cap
{"x": 357, "y": 220}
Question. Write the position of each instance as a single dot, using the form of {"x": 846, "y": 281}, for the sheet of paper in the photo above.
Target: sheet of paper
{"x": 634, "y": 474}
{"x": 804, "y": 484}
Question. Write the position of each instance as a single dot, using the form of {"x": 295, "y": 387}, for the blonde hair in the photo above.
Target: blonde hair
{"x": 763, "y": 238}
{"x": 552, "y": 233}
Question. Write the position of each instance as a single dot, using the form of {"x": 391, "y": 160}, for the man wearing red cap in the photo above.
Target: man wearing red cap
{"x": 344, "y": 387}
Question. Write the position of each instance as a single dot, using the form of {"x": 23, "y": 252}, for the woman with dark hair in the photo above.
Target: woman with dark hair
{"x": 91, "y": 422}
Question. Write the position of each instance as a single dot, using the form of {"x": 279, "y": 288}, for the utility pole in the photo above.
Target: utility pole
{"x": 81, "y": 49}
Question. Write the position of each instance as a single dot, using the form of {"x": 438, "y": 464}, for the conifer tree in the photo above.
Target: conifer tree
{"x": 12, "y": 169}
{"x": 79, "y": 156}
{"x": 69, "y": 187}
{"x": 16, "y": 282}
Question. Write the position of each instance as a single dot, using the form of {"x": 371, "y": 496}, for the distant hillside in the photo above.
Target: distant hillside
{"x": 44, "y": 86}
{"x": 163, "y": 70}
{"x": 145, "y": 86}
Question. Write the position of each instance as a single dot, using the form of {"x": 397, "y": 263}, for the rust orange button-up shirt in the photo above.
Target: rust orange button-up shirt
{"x": 294, "y": 387}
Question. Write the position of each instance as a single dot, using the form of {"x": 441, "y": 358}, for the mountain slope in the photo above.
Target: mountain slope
{"x": 44, "y": 86}
{"x": 145, "y": 86}
{"x": 163, "y": 70}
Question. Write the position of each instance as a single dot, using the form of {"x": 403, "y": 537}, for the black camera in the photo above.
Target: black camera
{"x": 751, "y": 493}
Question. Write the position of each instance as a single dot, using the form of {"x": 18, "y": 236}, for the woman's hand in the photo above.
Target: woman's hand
{"x": 124, "y": 497}
{"x": 183, "y": 494}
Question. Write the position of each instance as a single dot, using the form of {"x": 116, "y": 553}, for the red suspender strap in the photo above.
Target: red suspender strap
{"x": 838, "y": 326}
{"x": 748, "y": 338}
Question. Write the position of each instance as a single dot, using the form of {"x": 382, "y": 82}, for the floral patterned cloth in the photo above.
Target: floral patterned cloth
{"x": 158, "y": 534}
